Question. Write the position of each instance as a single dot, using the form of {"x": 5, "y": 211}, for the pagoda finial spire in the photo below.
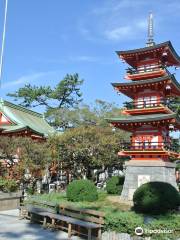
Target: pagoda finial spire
{"x": 150, "y": 41}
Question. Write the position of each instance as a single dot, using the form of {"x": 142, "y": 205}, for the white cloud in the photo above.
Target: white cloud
{"x": 118, "y": 33}
{"x": 26, "y": 79}
{"x": 113, "y": 6}
{"x": 83, "y": 58}
{"x": 126, "y": 31}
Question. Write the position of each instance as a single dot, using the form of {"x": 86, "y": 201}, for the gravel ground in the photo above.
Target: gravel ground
{"x": 12, "y": 228}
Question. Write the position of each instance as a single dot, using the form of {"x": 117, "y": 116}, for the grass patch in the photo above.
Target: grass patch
{"x": 118, "y": 218}
{"x": 102, "y": 204}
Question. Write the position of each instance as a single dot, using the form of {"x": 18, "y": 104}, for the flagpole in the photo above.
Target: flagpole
{"x": 3, "y": 40}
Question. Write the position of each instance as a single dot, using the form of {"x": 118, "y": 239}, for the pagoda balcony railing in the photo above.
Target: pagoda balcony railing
{"x": 171, "y": 104}
{"x": 147, "y": 146}
{"x": 145, "y": 69}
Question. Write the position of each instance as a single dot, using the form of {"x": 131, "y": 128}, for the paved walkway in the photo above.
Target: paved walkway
{"x": 11, "y": 228}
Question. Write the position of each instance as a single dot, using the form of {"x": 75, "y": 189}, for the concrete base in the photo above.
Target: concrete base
{"x": 139, "y": 172}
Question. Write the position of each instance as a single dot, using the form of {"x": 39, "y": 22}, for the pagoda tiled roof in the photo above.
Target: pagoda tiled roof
{"x": 23, "y": 119}
{"x": 163, "y": 45}
{"x": 145, "y": 49}
{"x": 152, "y": 80}
{"x": 141, "y": 118}
{"x": 147, "y": 81}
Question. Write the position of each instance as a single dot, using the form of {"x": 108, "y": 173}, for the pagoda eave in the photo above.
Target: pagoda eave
{"x": 141, "y": 111}
{"x": 145, "y": 75}
{"x": 132, "y": 56}
{"x": 161, "y": 152}
{"x": 130, "y": 89}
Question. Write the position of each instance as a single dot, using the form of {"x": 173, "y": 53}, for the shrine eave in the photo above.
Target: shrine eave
{"x": 23, "y": 119}
{"x": 20, "y": 129}
{"x": 127, "y": 53}
{"x": 125, "y": 87}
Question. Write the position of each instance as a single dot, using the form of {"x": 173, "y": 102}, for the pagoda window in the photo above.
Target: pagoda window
{"x": 148, "y": 68}
{"x": 146, "y": 142}
{"x": 147, "y": 101}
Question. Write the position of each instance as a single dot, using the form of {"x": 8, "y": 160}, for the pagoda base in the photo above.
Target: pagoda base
{"x": 139, "y": 172}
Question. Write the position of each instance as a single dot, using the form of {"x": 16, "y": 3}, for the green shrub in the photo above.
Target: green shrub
{"x": 128, "y": 221}
{"x": 30, "y": 190}
{"x": 156, "y": 198}
{"x": 123, "y": 222}
{"x": 81, "y": 190}
{"x": 8, "y": 185}
{"x": 168, "y": 222}
{"x": 115, "y": 184}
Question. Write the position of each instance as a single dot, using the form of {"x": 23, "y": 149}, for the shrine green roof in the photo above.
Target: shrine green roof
{"x": 23, "y": 118}
{"x": 140, "y": 118}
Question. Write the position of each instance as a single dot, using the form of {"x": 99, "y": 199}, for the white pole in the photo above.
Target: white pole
{"x": 3, "y": 39}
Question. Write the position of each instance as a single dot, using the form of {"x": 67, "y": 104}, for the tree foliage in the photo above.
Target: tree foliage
{"x": 31, "y": 154}
{"x": 84, "y": 148}
{"x": 65, "y": 94}
{"x": 84, "y": 115}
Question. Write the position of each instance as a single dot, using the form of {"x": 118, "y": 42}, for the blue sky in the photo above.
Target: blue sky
{"x": 46, "y": 39}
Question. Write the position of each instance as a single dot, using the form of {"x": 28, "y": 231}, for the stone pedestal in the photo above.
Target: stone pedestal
{"x": 139, "y": 172}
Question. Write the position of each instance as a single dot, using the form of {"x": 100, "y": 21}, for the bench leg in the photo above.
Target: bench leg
{"x": 79, "y": 230}
{"x": 99, "y": 234}
{"x": 44, "y": 222}
{"x": 53, "y": 222}
{"x": 89, "y": 234}
{"x": 69, "y": 230}
{"x": 31, "y": 217}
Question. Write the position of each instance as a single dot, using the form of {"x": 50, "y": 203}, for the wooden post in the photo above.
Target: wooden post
{"x": 69, "y": 230}
{"x": 53, "y": 222}
{"x": 99, "y": 234}
{"x": 31, "y": 217}
{"x": 44, "y": 222}
{"x": 89, "y": 234}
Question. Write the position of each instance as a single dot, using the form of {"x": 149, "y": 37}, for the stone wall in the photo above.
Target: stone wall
{"x": 140, "y": 172}
{"x": 9, "y": 201}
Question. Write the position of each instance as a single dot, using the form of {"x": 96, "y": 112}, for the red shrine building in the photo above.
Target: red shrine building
{"x": 151, "y": 114}
{"x": 19, "y": 121}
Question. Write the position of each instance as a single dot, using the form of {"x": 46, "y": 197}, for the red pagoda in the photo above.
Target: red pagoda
{"x": 151, "y": 114}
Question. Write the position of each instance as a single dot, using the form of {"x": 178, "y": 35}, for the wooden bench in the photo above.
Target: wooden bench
{"x": 86, "y": 218}
{"x": 26, "y": 210}
{"x": 69, "y": 218}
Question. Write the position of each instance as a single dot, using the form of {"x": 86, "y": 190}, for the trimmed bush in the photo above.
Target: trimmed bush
{"x": 115, "y": 184}
{"x": 82, "y": 190}
{"x": 156, "y": 198}
{"x": 8, "y": 185}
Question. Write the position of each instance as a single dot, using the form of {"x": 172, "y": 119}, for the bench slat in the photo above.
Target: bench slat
{"x": 88, "y": 211}
{"x": 74, "y": 221}
{"x": 82, "y": 217}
